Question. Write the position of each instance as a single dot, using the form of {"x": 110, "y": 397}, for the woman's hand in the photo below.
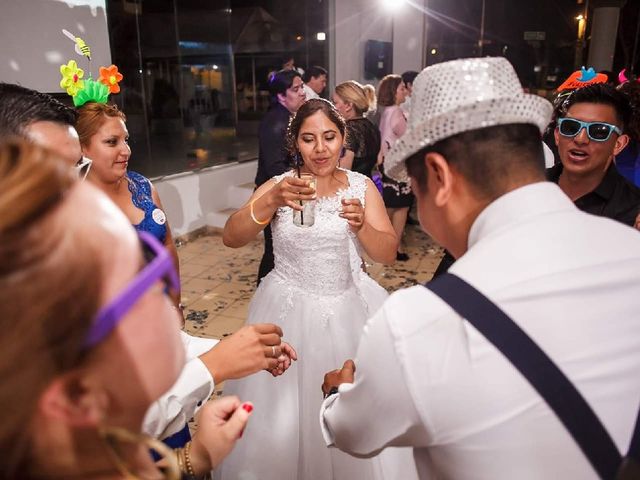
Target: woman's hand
{"x": 290, "y": 191}
{"x": 353, "y": 212}
{"x": 287, "y": 355}
{"x": 220, "y": 425}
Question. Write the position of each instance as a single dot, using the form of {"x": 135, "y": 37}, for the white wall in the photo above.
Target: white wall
{"x": 357, "y": 21}
{"x": 32, "y": 46}
{"x": 194, "y": 200}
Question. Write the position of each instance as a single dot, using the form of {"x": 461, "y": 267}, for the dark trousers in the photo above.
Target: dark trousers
{"x": 266, "y": 264}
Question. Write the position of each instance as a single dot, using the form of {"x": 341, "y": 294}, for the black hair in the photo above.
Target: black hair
{"x": 631, "y": 90}
{"x": 20, "y": 107}
{"x": 315, "y": 72}
{"x": 280, "y": 82}
{"x": 488, "y": 158}
{"x": 307, "y": 109}
{"x": 603, "y": 94}
{"x": 409, "y": 76}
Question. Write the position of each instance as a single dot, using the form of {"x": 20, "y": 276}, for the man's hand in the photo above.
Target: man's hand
{"x": 249, "y": 350}
{"x": 335, "y": 378}
{"x": 284, "y": 360}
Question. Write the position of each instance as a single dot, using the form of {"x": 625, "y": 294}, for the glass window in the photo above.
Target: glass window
{"x": 196, "y": 74}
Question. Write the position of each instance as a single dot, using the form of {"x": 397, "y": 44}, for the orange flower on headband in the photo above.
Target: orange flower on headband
{"x": 110, "y": 76}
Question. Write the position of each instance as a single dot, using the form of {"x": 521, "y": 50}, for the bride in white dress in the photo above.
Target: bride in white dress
{"x": 317, "y": 299}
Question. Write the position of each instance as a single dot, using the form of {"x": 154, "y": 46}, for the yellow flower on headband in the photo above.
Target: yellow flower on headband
{"x": 71, "y": 78}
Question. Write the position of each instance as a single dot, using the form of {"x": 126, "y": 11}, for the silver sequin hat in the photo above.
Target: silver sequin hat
{"x": 462, "y": 95}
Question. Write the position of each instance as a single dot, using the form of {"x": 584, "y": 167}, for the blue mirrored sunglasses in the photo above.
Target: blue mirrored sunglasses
{"x": 596, "y": 131}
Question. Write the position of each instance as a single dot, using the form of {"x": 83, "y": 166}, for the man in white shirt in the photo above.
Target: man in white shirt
{"x": 425, "y": 377}
{"x": 315, "y": 81}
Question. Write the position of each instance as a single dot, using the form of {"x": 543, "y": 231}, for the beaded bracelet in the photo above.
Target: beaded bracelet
{"x": 253, "y": 216}
{"x": 187, "y": 459}
{"x": 184, "y": 462}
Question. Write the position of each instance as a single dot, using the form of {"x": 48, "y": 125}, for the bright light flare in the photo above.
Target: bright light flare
{"x": 392, "y": 5}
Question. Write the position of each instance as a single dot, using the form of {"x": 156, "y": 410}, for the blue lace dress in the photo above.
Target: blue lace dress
{"x": 154, "y": 221}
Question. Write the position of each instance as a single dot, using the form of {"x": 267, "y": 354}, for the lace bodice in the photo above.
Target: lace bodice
{"x": 154, "y": 221}
{"x": 318, "y": 259}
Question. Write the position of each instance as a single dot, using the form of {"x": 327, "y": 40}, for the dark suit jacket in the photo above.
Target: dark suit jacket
{"x": 273, "y": 158}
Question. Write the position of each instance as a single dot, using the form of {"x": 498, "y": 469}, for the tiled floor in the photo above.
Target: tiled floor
{"x": 218, "y": 282}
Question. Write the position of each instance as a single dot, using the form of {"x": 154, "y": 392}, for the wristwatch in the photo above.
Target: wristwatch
{"x": 333, "y": 391}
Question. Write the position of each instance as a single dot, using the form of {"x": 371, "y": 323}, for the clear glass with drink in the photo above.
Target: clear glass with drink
{"x": 306, "y": 217}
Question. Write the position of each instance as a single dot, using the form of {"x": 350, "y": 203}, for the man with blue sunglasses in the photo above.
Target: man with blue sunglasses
{"x": 590, "y": 132}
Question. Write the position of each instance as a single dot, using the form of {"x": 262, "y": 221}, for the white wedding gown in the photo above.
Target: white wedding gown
{"x": 321, "y": 299}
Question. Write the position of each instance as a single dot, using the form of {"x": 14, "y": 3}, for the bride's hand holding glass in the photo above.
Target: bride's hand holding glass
{"x": 290, "y": 191}
{"x": 353, "y": 212}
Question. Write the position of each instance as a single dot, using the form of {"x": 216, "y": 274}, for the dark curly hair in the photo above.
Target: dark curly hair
{"x": 307, "y": 109}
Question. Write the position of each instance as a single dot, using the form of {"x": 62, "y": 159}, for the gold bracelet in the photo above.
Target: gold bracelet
{"x": 187, "y": 459}
{"x": 253, "y": 216}
{"x": 180, "y": 458}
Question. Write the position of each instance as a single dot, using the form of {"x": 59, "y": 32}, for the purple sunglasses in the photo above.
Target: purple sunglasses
{"x": 159, "y": 267}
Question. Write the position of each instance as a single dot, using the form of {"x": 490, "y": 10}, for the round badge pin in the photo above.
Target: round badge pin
{"x": 158, "y": 216}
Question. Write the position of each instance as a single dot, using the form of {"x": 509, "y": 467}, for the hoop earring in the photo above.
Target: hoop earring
{"x": 113, "y": 435}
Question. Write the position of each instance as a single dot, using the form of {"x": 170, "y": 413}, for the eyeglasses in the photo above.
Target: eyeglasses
{"x": 159, "y": 267}
{"x": 596, "y": 131}
{"x": 83, "y": 166}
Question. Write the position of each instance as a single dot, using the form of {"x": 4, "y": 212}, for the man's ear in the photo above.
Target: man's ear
{"x": 281, "y": 98}
{"x": 439, "y": 178}
{"x": 73, "y": 399}
{"x": 621, "y": 142}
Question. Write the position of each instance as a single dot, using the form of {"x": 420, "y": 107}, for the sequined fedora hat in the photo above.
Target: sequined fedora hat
{"x": 461, "y": 95}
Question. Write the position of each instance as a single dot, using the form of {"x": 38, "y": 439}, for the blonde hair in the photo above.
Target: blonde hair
{"x": 362, "y": 98}
{"x": 91, "y": 116}
{"x": 49, "y": 293}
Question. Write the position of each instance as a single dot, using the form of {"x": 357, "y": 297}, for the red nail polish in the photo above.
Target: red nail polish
{"x": 247, "y": 407}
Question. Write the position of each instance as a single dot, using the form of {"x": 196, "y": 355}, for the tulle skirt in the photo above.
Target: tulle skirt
{"x": 283, "y": 439}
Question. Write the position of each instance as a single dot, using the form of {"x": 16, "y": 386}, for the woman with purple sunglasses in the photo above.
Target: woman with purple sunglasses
{"x": 84, "y": 306}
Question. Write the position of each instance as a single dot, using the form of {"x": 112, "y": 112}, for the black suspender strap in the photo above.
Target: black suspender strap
{"x": 545, "y": 377}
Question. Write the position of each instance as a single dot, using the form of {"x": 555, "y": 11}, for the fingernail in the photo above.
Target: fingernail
{"x": 247, "y": 407}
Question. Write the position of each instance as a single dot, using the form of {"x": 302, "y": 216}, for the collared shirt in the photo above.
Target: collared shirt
{"x": 273, "y": 158}
{"x": 426, "y": 378}
{"x": 615, "y": 197}
{"x": 171, "y": 412}
{"x": 310, "y": 92}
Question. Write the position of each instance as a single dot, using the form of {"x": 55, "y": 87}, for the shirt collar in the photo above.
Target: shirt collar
{"x": 605, "y": 188}
{"x": 608, "y": 184}
{"x": 517, "y": 206}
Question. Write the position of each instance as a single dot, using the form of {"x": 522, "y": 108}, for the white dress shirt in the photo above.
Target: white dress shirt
{"x": 171, "y": 412}
{"x": 309, "y": 92}
{"x": 427, "y": 379}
